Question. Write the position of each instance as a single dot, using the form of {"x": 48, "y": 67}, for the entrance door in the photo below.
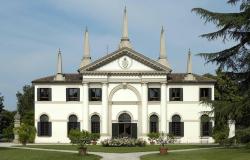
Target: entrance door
{"x": 124, "y": 128}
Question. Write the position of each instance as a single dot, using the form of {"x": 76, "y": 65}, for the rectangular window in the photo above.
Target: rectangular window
{"x": 73, "y": 94}
{"x": 205, "y": 94}
{"x": 95, "y": 94}
{"x": 175, "y": 94}
{"x": 154, "y": 94}
{"x": 44, "y": 94}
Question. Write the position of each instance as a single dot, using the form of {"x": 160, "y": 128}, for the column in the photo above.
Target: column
{"x": 144, "y": 106}
{"x": 163, "y": 118}
{"x": 105, "y": 110}
{"x": 85, "y": 106}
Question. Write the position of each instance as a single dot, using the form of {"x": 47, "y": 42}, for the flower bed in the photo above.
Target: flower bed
{"x": 123, "y": 142}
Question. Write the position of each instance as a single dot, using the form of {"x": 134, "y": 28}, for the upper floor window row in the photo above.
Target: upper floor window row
{"x": 72, "y": 94}
{"x": 95, "y": 94}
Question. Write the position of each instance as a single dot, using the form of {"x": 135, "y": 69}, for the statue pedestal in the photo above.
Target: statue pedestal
{"x": 16, "y": 125}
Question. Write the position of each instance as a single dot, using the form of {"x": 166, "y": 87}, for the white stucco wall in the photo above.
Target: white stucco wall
{"x": 123, "y": 100}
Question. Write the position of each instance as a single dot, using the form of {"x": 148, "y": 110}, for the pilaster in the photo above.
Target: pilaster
{"x": 144, "y": 106}
{"x": 105, "y": 110}
{"x": 163, "y": 114}
{"x": 85, "y": 106}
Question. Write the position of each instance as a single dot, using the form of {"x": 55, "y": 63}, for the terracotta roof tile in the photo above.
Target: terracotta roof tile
{"x": 69, "y": 78}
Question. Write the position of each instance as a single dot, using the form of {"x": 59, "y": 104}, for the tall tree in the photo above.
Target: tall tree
{"x": 6, "y": 121}
{"x": 236, "y": 59}
{"x": 25, "y": 104}
{"x": 1, "y": 114}
{"x": 234, "y": 27}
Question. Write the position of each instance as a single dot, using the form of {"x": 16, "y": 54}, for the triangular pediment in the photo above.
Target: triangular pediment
{"x": 125, "y": 59}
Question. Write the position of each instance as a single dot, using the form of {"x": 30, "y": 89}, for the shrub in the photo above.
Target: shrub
{"x": 248, "y": 145}
{"x": 140, "y": 142}
{"x": 80, "y": 138}
{"x": 8, "y": 133}
{"x": 165, "y": 139}
{"x": 243, "y": 135}
{"x": 26, "y": 133}
{"x": 221, "y": 136}
{"x": 123, "y": 142}
{"x": 95, "y": 136}
{"x": 153, "y": 136}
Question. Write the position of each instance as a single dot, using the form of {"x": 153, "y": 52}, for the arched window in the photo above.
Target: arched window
{"x": 176, "y": 127}
{"x": 44, "y": 118}
{"x": 206, "y": 126}
{"x": 73, "y": 123}
{"x": 124, "y": 117}
{"x": 154, "y": 123}
{"x": 95, "y": 124}
{"x": 44, "y": 126}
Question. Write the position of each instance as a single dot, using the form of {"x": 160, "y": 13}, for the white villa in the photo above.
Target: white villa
{"x": 123, "y": 94}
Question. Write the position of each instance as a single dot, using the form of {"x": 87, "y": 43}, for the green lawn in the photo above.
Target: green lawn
{"x": 211, "y": 154}
{"x": 99, "y": 148}
{"x": 21, "y": 154}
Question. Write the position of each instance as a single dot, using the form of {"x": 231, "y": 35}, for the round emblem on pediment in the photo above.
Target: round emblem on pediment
{"x": 124, "y": 62}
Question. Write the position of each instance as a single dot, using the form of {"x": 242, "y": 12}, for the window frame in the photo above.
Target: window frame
{"x": 71, "y": 97}
{"x": 45, "y": 127}
{"x": 154, "y": 125}
{"x": 209, "y": 94}
{"x": 154, "y": 98}
{"x": 95, "y": 124}
{"x": 40, "y": 96}
{"x": 175, "y": 97}
{"x": 96, "y": 98}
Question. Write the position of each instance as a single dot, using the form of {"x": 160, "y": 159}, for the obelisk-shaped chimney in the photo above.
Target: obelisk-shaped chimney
{"x": 59, "y": 75}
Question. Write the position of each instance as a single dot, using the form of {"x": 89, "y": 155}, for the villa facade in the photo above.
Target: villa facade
{"x": 124, "y": 94}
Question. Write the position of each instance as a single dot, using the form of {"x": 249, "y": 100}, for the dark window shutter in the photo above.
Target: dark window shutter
{"x": 68, "y": 127}
{"x": 182, "y": 129}
{"x": 115, "y": 130}
{"x": 181, "y": 94}
{"x": 200, "y": 94}
{"x": 38, "y": 128}
{"x": 67, "y": 94}
{"x": 210, "y": 128}
{"x": 170, "y": 94}
{"x": 78, "y": 94}
{"x": 50, "y": 94}
{"x": 38, "y": 94}
{"x": 89, "y": 94}
{"x": 160, "y": 94}
{"x": 78, "y": 125}
{"x": 170, "y": 128}
{"x": 49, "y": 129}
{"x": 134, "y": 130}
{"x": 210, "y": 93}
{"x": 201, "y": 129}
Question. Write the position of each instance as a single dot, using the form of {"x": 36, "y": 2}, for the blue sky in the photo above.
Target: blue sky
{"x": 32, "y": 31}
